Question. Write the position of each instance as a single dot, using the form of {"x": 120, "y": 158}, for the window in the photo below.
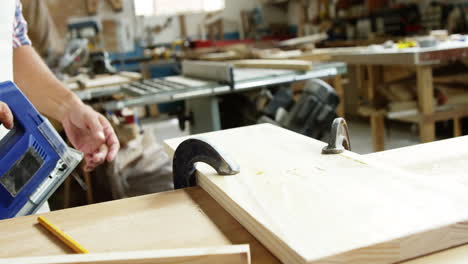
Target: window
{"x": 173, "y": 7}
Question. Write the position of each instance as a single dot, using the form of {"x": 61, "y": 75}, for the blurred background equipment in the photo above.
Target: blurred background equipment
{"x": 76, "y": 55}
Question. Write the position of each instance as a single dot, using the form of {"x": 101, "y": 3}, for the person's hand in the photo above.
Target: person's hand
{"x": 92, "y": 134}
{"x": 6, "y": 117}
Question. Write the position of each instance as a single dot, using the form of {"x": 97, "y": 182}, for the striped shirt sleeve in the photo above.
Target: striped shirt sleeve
{"x": 20, "y": 28}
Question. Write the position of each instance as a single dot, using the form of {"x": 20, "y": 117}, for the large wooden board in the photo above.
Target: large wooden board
{"x": 310, "y": 208}
{"x": 173, "y": 220}
{"x": 445, "y": 159}
{"x": 227, "y": 255}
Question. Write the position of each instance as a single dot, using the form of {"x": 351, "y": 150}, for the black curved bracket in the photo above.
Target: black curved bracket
{"x": 195, "y": 150}
{"x": 339, "y": 138}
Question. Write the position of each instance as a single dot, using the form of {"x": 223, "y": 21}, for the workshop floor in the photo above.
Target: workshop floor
{"x": 166, "y": 129}
{"x": 397, "y": 135}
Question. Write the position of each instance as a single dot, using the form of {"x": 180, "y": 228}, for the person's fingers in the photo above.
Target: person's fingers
{"x": 6, "y": 117}
{"x": 89, "y": 165}
{"x": 100, "y": 156}
{"x": 94, "y": 125}
{"x": 111, "y": 139}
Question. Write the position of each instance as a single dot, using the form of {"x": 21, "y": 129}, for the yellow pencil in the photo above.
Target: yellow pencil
{"x": 62, "y": 236}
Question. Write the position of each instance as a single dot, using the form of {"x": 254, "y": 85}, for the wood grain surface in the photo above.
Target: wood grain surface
{"x": 310, "y": 208}
{"x": 184, "y": 219}
{"x": 444, "y": 159}
{"x": 226, "y": 254}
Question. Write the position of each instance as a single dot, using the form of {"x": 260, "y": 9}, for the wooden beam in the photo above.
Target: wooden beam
{"x": 457, "y": 127}
{"x": 338, "y": 85}
{"x": 378, "y": 131}
{"x": 227, "y": 254}
{"x": 375, "y": 78}
{"x": 426, "y": 102}
{"x": 413, "y": 116}
{"x": 286, "y": 196}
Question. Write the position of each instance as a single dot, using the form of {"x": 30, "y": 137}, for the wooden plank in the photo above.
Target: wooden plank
{"x": 304, "y": 40}
{"x": 221, "y": 56}
{"x": 312, "y": 56}
{"x": 426, "y": 102}
{"x": 277, "y": 54}
{"x": 442, "y": 159}
{"x": 227, "y": 254}
{"x": 310, "y": 208}
{"x": 104, "y": 80}
{"x": 457, "y": 255}
{"x": 188, "y": 218}
{"x": 442, "y": 113}
{"x": 134, "y": 76}
{"x": 274, "y": 64}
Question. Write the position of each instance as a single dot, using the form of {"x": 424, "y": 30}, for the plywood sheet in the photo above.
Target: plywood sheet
{"x": 227, "y": 255}
{"x": 444, "y": 159}
{"x": 310, "y": 208}
{"x": 173, "y": 220}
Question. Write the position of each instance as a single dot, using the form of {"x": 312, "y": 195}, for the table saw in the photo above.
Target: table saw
{"x": 193, "y": 218}
{"x": 201, "y": 94}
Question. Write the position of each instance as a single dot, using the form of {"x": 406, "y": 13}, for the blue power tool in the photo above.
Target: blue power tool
{"x": 34, "y": 159}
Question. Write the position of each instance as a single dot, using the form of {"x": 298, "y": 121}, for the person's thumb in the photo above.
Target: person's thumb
{"x": 6, "y": 117}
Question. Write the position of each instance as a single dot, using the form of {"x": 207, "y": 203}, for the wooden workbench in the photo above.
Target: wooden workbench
{"x": 423, "y": 60}
{"x": 191, "y": 218}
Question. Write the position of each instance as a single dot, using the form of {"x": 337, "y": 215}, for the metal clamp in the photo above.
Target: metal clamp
{"x": 339, "y": 138}
{"x": 194, "y": 150}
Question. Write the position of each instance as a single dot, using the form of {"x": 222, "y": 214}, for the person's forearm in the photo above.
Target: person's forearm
{"x": 35, "y": 79}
